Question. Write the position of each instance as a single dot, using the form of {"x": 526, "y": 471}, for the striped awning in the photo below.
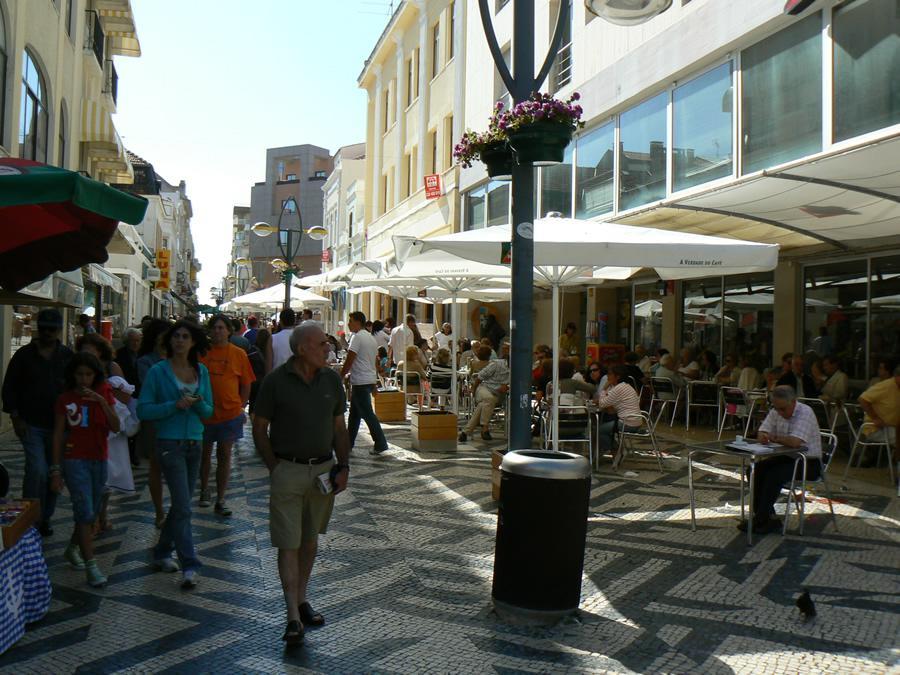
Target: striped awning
{"x": 104, "y": 145}
{"x": 117, "y": 20}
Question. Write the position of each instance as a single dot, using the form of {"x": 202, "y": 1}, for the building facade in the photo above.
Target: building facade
{"x": 733, "y": 119}
{"x": 295, "y": 173}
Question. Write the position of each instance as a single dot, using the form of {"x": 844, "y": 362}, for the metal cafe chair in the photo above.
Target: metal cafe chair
{"x": 736, "y": 400}
{"x": 759, "y": 403}
{"x": 701, "y": 394}
{"x": 665, "y": 392}
{"x": 829, "y": 446}
{"x": 881, "y": 447}
{"x": 645, "y": 433}
{"x": 823, "y": 415}
{"x": 574, "y": 427}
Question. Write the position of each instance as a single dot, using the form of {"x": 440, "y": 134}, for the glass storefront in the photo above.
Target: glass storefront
{"x": 884, "y": 324}
{"x": 642, "y": 153}
{"x": 556, "y": 186}
{"x": 866, "y": 51}
{"x": 702, "y": 127}
{"x": 497, "y": 203}
{"x": 474, "y": 209}
{"x": 647, "y": 317}
{"x": 782, "y": 96}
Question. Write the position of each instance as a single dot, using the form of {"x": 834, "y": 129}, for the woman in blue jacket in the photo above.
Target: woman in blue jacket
{"x": 176, "y": 396}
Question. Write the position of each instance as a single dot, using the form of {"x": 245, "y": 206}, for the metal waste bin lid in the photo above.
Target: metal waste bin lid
{"x": 546, "y": 464}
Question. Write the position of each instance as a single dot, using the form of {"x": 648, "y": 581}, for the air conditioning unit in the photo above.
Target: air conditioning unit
{"x": 153, "y": 274}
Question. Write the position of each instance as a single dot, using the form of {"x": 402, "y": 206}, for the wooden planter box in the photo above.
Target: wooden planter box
{"x": 13, "y": 531}
{"x": 434, "y": 430}
{"x": 390, "y": 406}
{"x": 496, "y": 461}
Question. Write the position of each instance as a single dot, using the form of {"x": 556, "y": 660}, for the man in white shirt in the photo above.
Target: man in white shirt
{"x": 443, "y": 339}
{"x": 281, "y": 347}
{"x": 361, "y": 365}
{"x": 836, "y": 387}
{"x": 793, "y": 424}
{"x": 381, "y": 334}
{"x": 401, "y": 337}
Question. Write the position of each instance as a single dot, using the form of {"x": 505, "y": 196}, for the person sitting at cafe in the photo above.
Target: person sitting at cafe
{"x": 413, "y": 365}
{"x": 621, "y": 399}
{"x": 792, "y": 424}
{"x": 644, "y": 361}
{"x": 482, "y": 358}
{"x": 491, "y": 383}
{"x": 688, "y": 366}
{"x": 728, "y": 374}
{"x": 568, "y": 384}
{"x": 881, "y": 404}
{"x": 748, "y": 378}
{"x": 837, "y": 384}
{"x": 798, "y": 380}
{"x": 569, "y": 343}
{"x": 466, "y": 353}
{"x": 709, "y": 365}
{"x": 882, "y": 372}
{"x": 541, "y": 352}
{"x": 595, "y": 373}
{"x": 487, "y": 343}
{"x": 666, "y": 369}
{"x": 633, "y": 370}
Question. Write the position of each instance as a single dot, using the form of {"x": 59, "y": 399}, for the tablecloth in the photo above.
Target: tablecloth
{"x": 24, "y": 588}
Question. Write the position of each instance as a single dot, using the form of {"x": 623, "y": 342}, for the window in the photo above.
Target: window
{"x": 500, "y": 4}
{"x": 410, "y": 81}
{"x": 418, "y": 60}
{"x": 866, "y": 67}
{"x": 435, "y": 50}
{"x": 474, "y": 209}
{"x": 497, "y": 203}
{"x": 70, "y": 28}
{"x": 384, "y": 193}
{"x": 35, "y": 120}
{"x": 884, "y": 337}
{"x": 451, "y": 32}
{"x": 781, "y": 99}
{"x": 350, "y": 225}
{"x": 289, "y": 205}
{"x": 642, "y": 159}
{"x": 500, "y": 93}
{"x": 749, "y": 320}
{"x": 702, "y": 128}
{"x": 2, "y": 77}
{"x": 435, "y": 156}
{"x": 320, "y": 174}
{"x": 448, "y": 142}
{"x": 387, "y": 109}
{"x": 291, "y": 176}
{"x": 63, "y": 131}
{"x": 407, "y": 170}
{"x": 700, "y": 327}
{"x": 556, "y": 186}
{"x": 594, "y": 177}
{"x": 561, "y": 73}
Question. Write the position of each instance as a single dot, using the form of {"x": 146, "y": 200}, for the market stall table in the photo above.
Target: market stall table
{"x": 24, "y": 587}
{"x": 746, "y": 452}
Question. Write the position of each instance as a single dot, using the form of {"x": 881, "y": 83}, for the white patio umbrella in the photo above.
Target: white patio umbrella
{"x": 571, "y": 244}
{"x": 273, "y": 296}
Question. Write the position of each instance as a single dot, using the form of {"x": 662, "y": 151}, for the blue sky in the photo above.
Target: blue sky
{"x": 220, "y": 81}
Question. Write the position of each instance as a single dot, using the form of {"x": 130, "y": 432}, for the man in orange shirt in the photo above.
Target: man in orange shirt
{"x": 231, "y": 375}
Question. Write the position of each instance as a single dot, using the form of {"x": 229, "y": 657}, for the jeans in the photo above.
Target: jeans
{"x": 38, "y": 445}
{"x": 86, "y": 480}
{"x": 180, "y": 463}
{"x": 361, "y": 409}
{"x": 606, "y": 434}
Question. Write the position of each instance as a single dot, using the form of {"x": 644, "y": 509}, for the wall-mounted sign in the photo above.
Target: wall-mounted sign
{"x": 433, "y": 186}
{"x": 163, "y": 257}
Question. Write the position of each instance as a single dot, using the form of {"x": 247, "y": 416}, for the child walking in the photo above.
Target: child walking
{"x": 84, "y": 417}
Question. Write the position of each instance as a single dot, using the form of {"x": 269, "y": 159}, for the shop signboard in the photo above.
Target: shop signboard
{"x": 163, "y": 257}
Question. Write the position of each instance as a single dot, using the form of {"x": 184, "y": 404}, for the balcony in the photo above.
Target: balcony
{"x": 111, "y": 81}
{"x": 94, "y": 39}
{"x": 561, "y": 73}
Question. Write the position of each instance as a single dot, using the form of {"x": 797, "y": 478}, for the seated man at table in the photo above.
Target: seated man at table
{"x": 620, "y": 398}
{"x": 881, "y": 403}
{"x": 792, "y": 424}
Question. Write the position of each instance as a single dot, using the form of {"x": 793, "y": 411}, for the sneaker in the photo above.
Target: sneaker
{"x": 462, "y": 437}
{"x": 222, "y": 510}
{"x": 376, "y": 451}
{"x": 189, "y": 580}
{"x": 95, "y": 577}
{"x": 72, "y": 554}
{"x": 205, "y": 500}
{"x": 166, "y": 565}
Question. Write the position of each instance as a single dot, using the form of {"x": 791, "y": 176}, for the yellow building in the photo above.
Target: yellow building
{"x": 415, "y": 80}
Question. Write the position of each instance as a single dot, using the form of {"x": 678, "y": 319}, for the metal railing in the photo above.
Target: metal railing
{"x": 111, "y": 81}
{"x": 94, "y": 38}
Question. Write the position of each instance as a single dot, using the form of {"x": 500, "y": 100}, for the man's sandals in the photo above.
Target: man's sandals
{"x": 293, "y": 634}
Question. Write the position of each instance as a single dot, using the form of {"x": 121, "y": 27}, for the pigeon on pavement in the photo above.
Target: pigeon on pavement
{"x": 806, "y": 605}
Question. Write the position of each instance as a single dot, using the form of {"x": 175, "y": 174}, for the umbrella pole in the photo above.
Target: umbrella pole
{"x": 556, "y": 358}
{"x": 405, "y": 338}
{"x": 453, "y": 382}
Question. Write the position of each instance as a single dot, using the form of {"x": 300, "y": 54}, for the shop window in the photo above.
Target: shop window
{"x": 35, "y": 119}
{"x": 474, "y": 202}
{"x": 556, "y": 186}
{"x": 702, "y": 128}
{"x": 594, "y": 177}
{"x": 781, "y": 97}
{"x": 497, "y": 203}
{"x": 701, "y": 323}
{"x": 866, "y": 67}
{"x": 642, "y": 158}
{"x": 647, "y": 323}
{"x": 834, "y": 316}
{"x": 748, "y": 321}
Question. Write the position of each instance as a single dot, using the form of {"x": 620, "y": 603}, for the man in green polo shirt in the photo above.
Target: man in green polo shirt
{"x": 299, "y": 422}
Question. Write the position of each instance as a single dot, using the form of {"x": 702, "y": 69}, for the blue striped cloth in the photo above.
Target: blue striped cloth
{"x": 24, "y": 588}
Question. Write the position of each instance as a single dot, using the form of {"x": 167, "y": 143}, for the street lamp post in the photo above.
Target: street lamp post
{"x": 520, "y": 84}
{"x": 286, "y": 244}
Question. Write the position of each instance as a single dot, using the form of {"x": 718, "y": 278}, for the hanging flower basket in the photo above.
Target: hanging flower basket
{"x": 498, "y": 160}
{"x": 540, "y": 143}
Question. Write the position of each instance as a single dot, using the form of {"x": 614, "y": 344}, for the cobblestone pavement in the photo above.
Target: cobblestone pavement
{"x": 404, "y": 573}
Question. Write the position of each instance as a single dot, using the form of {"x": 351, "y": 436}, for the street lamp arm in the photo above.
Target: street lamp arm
{"x": 561, "y": 18}
{"x": 493, "y": 45}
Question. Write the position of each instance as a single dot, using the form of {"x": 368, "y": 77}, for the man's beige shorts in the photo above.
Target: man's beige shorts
{"x": 298, "y": 511}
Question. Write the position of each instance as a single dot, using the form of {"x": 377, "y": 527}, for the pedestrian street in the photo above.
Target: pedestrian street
{"x": 403, "y": 578}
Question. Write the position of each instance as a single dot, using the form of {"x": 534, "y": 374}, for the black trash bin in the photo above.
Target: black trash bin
{"x": 541, "y": 532}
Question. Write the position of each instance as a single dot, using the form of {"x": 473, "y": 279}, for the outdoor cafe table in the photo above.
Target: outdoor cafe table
{"x": 732, "y": 449}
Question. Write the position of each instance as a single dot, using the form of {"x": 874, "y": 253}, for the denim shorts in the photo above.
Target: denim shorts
{"x": 224, "y": 432}
{"x": 86, "y": 480}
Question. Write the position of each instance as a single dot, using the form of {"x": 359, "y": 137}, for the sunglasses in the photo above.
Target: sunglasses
{"x": 595, "y": 370}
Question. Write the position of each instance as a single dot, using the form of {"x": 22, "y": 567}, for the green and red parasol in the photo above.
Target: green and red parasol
{"x": 53, "y": 220}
